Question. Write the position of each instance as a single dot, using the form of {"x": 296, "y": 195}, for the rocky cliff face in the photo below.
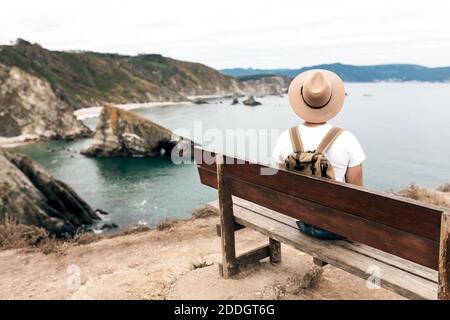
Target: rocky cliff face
{"x": 266, "y": 85}
{"x": 28, "y": 106}
{"x": 122, "y": 133}
{"x": 32, "y": 196}
{"x": 84, "y": 79}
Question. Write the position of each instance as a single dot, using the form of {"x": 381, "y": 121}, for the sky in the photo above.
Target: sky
{"x": 240, "y": 33}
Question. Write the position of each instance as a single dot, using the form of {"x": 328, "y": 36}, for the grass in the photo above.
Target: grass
{"x": 14, "y": 235}
{"x": 165, "y": 224}
{"x": 425, "y": 195}
{"x": 444, "y": 188}
{"x": 200, "y": 264}
{"x": 203, "y": 213}
{"x": 87, "y": 77}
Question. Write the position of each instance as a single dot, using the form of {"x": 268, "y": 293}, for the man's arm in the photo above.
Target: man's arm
{"x": 354, "y": 175}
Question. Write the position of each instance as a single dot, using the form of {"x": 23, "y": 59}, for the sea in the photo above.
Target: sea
{"x": 404, "y": 129}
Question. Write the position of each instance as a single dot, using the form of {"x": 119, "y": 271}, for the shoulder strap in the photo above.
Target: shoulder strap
{"x": 328, "y": 140}
{"x": 296, "y": 140}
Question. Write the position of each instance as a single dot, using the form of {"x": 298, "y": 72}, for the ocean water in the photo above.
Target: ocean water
{"x": 404, "y": 129}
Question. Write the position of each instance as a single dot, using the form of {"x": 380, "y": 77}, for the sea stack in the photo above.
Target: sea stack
{"x": 31, "y": 196}
{"x": 251, "y": 102}
{"x": 122, "y": 133}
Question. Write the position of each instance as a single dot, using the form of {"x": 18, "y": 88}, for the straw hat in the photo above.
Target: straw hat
{"x": 317, "y": 95}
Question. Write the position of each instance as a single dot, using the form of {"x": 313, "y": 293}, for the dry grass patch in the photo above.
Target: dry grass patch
{"x": 133, "y": 230}
{"x": 165, "y": 224}
{"x": 425, "y": 195}
{"x": 14, "y": 235}
{"x": 444, "y": 188}
{"x": 203, "y": 213}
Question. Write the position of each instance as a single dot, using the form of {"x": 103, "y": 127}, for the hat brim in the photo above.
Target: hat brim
{"x": 317, "y": 115}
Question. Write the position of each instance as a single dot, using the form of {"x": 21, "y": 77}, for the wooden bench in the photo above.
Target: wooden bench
{"x": 403, "y": 241}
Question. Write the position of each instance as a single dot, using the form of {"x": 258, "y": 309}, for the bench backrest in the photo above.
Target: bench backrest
{"x": 390, "y": 223}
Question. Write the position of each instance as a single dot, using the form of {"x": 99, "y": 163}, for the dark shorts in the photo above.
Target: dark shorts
{"x": 317, "y": 232}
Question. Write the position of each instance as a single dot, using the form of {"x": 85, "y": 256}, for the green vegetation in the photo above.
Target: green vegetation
{"x": 88, "y": 78}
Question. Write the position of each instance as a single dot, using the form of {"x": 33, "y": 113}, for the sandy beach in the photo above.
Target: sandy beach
{"x": 92, "y": 112}
{"x": 11, "y": 142}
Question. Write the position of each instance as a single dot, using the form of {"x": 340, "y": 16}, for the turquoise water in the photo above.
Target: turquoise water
{"x": 403, "y": 128}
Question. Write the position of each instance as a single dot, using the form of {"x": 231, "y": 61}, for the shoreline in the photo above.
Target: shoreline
{"x": 93, "y": 112}
{"x": 18, "y": 141}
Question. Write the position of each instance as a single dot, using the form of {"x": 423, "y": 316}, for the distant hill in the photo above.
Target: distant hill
{"x": 87, "y": 78}
{"x": 351, "y": 73}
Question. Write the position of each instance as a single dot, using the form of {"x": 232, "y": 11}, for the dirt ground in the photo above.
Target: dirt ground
{"x": 159, "y": 265}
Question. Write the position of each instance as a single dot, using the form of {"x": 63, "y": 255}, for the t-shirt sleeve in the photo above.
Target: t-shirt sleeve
{"x": 355, "y": 152}
{"x": 278, "y": 153}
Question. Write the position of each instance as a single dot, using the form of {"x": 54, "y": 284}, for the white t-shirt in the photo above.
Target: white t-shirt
{"x": 344, "y": 152}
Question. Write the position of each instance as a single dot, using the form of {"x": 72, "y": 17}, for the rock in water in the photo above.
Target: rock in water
{"x": 28, "y": 106}
{"x": 122, "y": 133}
{"x": 251, "y": 102}
{"x": 199, "y": 101}
{"x": 235, "y": 101}
{"x": 32, "y": 196}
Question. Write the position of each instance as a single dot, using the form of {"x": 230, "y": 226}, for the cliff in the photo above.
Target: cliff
{"x": 83, "y": 79}
{"x": 31, "y": 196}
{"x": 28, "y": 106}
{"x": 266, "y": 85}
{"x": 122, "y": 133}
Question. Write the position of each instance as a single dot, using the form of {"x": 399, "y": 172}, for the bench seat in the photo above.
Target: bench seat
{"x": 404, "y": 277}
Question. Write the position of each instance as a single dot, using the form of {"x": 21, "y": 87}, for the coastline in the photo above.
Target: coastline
{"x": 92, "y": 112}
{"x": 12, "y": 142}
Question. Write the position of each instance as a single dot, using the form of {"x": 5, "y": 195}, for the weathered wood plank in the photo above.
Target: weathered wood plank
{"x": 254, "y": 256}
{"x": 384, "y": 257}
{"x": 236, "y": 227}
{"x": 406, "y": 245}
{"x": 275, "y": 251}
{"x": 229, "y": 262}
{"x": 444, "y": 259}
{"x": 404, "y": 283}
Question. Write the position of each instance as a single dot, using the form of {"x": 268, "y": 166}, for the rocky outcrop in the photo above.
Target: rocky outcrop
{"x": 31, "y": 196}
{"x": 122, "y": 133}
{"x": 265, "y": 85}
{"x": 28, "y": 106}
{"x": 251, "y": 102}
{"x": 85, "y": 79}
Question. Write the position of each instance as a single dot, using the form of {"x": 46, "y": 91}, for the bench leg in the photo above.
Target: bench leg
{"x": 319, "y": 263}
{"x": 229, "y": 266}
{"x": 444, "y": 258}
{"x": 275, "y": 251}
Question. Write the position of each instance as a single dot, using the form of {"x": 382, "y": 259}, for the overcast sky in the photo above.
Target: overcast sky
{"x": 240, "y": 33}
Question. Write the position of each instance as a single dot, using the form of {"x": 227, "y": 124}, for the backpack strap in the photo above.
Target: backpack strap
{"x": 328, "y": 140}
{"x": 296, "y": 140}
